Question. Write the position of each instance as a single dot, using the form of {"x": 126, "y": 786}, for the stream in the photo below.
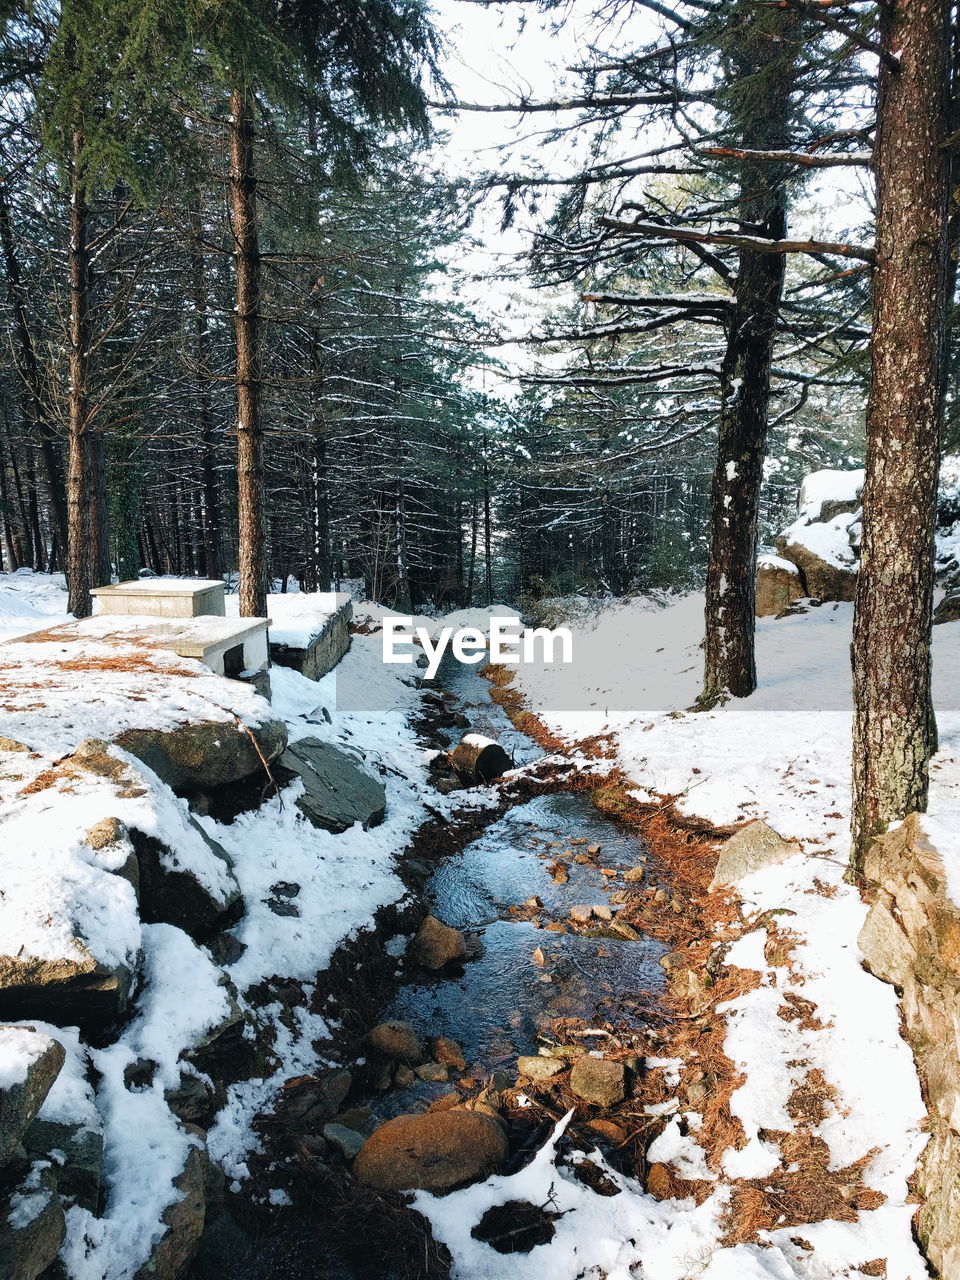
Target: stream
{"x": 525, "y": 976}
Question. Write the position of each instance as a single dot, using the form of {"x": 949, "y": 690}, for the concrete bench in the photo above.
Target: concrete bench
{"x": 233, "y": 647}
{"x": 162, "y": 598}
{"x": 313, "y": 640}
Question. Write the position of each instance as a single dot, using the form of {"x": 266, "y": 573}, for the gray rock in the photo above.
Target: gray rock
{"x": 316, "y": 1105}
{"x": 184, "y": 1221}
{"x": 537, "y": 1068}
{"x": 192, "y": 1100}
{"x": 948, "y": 610}
{"x": 32, "y": 1226}
{"x": 599, "y": 1081}
{"x": 347, "y": 1141}
{"x": 209, "y": 754}
{"x": 169, "y": 894}
{"x": 753, "y": 847}
{"x": 337, "y": 792}
{"x": 78, "y": 1162}
{"x": 22, "y": 1098}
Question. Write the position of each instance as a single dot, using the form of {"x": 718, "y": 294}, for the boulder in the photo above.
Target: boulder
{"x": 192, "y": 1100}
{"x": 210, "y": 753}
{"x": 78, "y": 1159}
{"x": 337, "y": 792}
{"x": 436, "y": 1151}
{"x": 448, "y": 1052}
{"x": 172, "y": 892}
{"x": 436, "y": 944}
{"x": 826, "y": 494}
{"x": 29, "y": 1064}
{"x": 184, "y": 1220}
{"x": 316, "y": 1100}
{"x": 778, "y": 585}
{"x": 824, "y": 555}
{"x": 11, "y": 744}
{"x": 750, "y": 849}
{"x": 395, "y": 1039}
{"x": 948, "y": 610}
{"x": 599, "y": 1081}
{"x": 74, "y": 989}
{"x": 32, "y": 1226}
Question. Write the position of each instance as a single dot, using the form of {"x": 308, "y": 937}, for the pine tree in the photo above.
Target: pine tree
{"x": 894, "y": 727}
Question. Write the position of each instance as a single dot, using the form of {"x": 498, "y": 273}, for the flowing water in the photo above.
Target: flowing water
{"x": 526, "y": 976}
{"x": 498, "y": 1004}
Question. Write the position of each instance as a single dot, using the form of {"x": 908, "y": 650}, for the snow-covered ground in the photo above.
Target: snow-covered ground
{"x": 784, "y": 755}
{"x": 343, "y": 880}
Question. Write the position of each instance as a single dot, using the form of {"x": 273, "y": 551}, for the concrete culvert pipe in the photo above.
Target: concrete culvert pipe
{"x": 476, "y": 759}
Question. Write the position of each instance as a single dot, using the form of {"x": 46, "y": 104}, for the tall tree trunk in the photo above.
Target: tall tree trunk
{"x": 210, "y": 501}
{"x": 487, "y": 529}
{"x": 894, "y": 727}
{"x": 81, "y": 551}
{"x": 762, "y": 121}
{"x": 251, "y": 548}
{"x": 319, "y": 550}
{"x": 28, "y": 367}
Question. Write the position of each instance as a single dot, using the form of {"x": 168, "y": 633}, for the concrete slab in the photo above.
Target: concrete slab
{"x": 162, "y": 598}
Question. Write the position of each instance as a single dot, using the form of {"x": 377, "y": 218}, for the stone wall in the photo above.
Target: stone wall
{"x": 911, "y": 938}
{"x": 324, "y": 651}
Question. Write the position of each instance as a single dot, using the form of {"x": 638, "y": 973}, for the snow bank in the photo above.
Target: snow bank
{"x": 782, "y": 755}
{"x": 30, "y": 601}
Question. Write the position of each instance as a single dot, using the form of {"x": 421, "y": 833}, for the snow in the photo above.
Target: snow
{"x": 20, "y": 1048}
{"x": 97, "y": 687}
{"x": 29, "y": 1200}
{"x": 60, "y": 896}
{"x": 783, "y": 755}
{"x": 169, "y": 585}
{"x": 31, "y": 602}
{"x": 829, "y": 485}
{"x": 829, "y": 539}
{"x": 942, "y": 826}
{"x": 296, "y": 618}
{"x": 770, "y": 561}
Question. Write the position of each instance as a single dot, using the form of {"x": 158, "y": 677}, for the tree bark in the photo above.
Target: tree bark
{"x": 210, "y": 503}
{"x": 251, "y": 549}
{"x": 82, "y": 553}
{"x": 894, "y": 727}
{"x": 28, "y": 367}
{"x": 729, "y": 659}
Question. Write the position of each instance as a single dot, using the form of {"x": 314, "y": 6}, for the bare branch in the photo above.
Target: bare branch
{"x": 755, "y": 244}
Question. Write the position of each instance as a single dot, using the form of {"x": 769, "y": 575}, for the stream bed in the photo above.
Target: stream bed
{"x": 528, "y": 969}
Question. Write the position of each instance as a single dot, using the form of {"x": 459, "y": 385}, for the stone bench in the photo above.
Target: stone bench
{"x": 162, "y": 598}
